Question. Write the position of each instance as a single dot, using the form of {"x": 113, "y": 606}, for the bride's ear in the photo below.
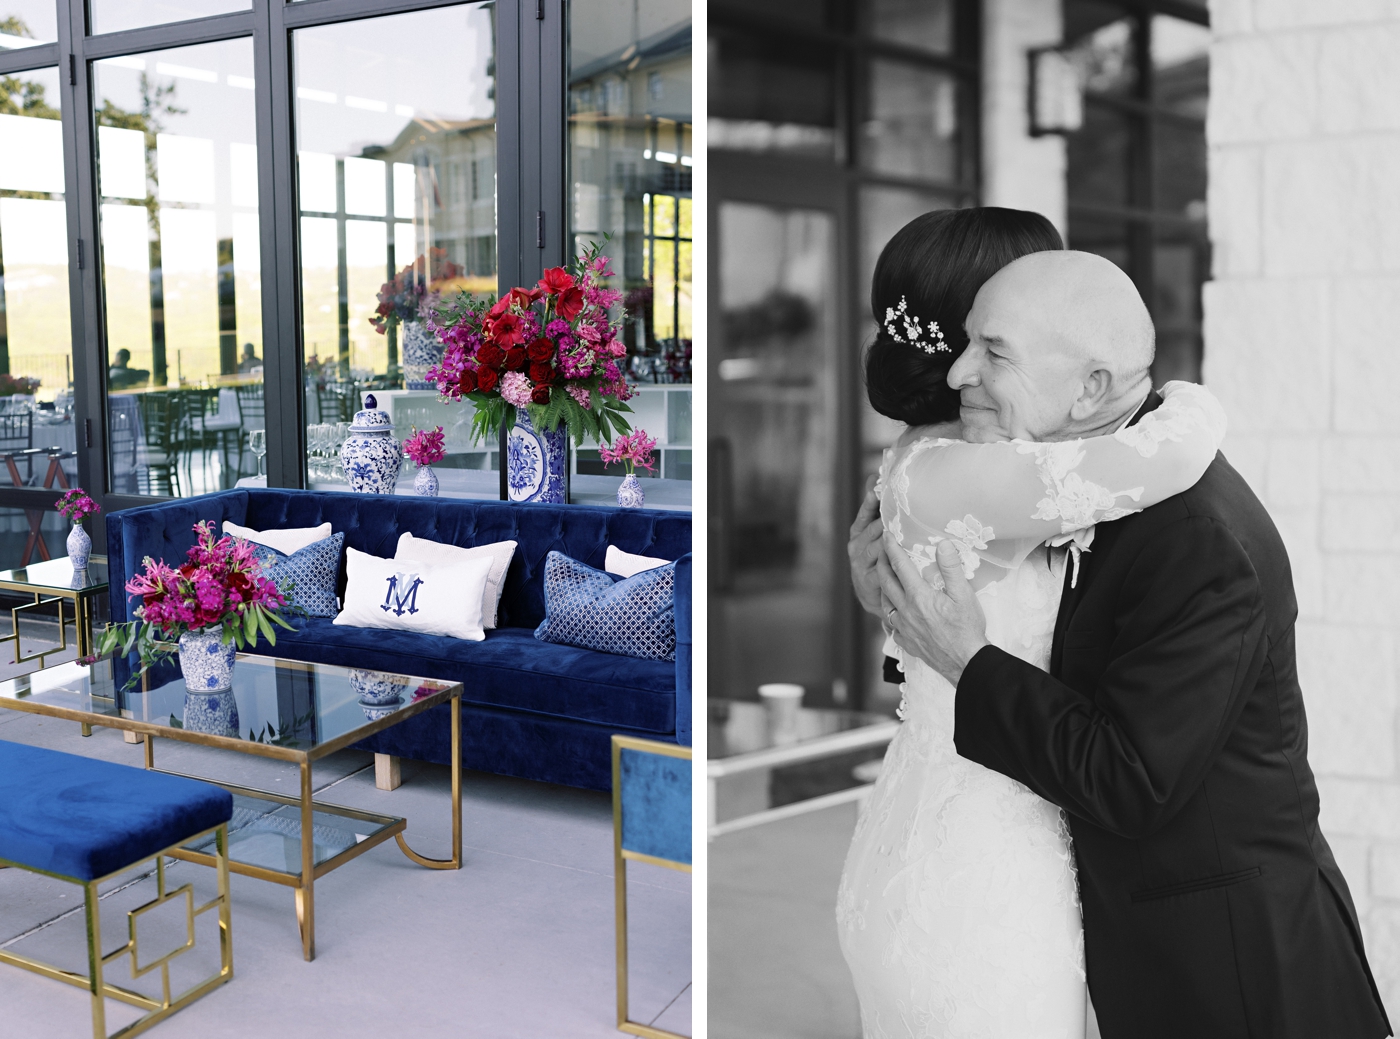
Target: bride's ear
{"x": 1094, "y": 391}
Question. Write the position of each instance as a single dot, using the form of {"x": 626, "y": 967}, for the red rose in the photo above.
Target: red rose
{"x": 569, "y": 304}
{"x": 486, "y": 379}
{"x": 515, "y": 359}
{"x": 489, "y": 355}
{"x": 556, "y": 280}
{"x": 508, "y": 330}
{"x": 541, "y": 373}
{"x": 467, "y": 383}
{"x": 539, "y": 395}
{"x": 541, "y": 349}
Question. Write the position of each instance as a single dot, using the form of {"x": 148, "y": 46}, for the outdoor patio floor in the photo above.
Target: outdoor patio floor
{"x": 518, "y": 943}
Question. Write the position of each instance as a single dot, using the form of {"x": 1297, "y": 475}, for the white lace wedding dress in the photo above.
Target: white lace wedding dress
{"x": 958, "y": 911}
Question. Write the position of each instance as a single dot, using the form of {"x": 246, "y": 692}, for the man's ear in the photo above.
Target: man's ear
{"x": 1096, "y": 388}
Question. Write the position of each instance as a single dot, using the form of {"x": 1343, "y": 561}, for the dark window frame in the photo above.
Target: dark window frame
{"x": 530, "y": 173}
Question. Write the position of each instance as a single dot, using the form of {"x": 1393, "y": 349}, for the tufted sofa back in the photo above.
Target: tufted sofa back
{"x": 373, "y": 523}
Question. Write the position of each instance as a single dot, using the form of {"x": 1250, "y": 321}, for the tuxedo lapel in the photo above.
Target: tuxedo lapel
{"x": 1105, "y": 536}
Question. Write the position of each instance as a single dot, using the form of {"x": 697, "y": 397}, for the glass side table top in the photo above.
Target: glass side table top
{"x": 57, "y": 575}
{"x": 286, "y": 709}
{"x": 743, "y": 727}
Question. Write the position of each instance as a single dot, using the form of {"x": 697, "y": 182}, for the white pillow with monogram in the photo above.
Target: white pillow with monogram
{"x": 439, "y": 554}
{"x": 410, "y": 595}
{"x": 289, "y": 541}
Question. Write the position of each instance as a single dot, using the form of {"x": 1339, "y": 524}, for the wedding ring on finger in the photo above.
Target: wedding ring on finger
{"x": 889, "y": 617}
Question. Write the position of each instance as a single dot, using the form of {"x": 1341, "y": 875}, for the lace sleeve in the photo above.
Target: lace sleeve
{"x": 1019, "y": 491}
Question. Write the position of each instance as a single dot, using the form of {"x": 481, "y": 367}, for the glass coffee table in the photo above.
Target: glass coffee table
{"x": 760, "y": 769}
{"x": 286, "y": 710}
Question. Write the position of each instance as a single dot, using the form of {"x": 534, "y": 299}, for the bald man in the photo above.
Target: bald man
{"x": 1170, "y": 726}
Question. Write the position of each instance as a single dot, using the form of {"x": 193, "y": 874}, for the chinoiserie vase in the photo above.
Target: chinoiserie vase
{"x": 419, "y": 350}
{"x": 376, "y": 688}
{"x": 215, "y": 714}
{"x": 425, "y": 482}
{"x": 630, "y": 495}
{"x": 206, "y": 662}
{"x": 536, "y": 461}
{"x": 371, "y": 456}
{"x": 79, "y": 546}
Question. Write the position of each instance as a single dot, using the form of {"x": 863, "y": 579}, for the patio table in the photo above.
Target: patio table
{"x": 289, "y": 711}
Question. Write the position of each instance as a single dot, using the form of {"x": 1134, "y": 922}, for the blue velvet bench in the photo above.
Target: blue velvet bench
{"x": 651, "y": 823}
{"x": 529, "y": 708}
{"x": 85, "y": 821}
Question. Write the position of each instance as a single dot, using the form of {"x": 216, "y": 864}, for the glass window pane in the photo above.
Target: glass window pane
{"x": 767, "y": 94}
{"x": 1099, "y": 155}
{"x": 396, "y": 177}
{"x": 35, "y": 334}
{"x": 630, "y": 160}
{"x": 1179, "y": 265}
{"x": 25, "y": 23}
{"x": 926, "y": 24}
{"x": 1100, "y": 44}
{"x": 180, "y": 265}
{"x": 1179, "y": 168}
{"x": 116, "y": 15}
{"x": 911, "y": 128}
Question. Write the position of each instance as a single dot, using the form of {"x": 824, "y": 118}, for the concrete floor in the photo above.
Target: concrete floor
{"x": 518, "y": 943}
{"x": 776, "y": 970}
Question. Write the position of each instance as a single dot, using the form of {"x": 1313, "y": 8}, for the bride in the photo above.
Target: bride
{"x": 958, "y": 912}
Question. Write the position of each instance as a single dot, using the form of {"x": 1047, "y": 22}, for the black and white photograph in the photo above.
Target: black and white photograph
{"x": 1052, "y": 577}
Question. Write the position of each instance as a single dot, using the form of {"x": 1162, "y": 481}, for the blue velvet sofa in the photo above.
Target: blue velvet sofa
{"x": 529, "y": 708}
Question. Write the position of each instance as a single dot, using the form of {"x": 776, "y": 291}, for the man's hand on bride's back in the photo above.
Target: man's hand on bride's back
{"x": 863, "y": 549}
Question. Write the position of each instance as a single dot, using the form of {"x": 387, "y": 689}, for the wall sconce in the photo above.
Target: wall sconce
{"x": 1056, "y": 98}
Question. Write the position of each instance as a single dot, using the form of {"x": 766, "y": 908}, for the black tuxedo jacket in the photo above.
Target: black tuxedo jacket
{"x": 1171, "y": 730}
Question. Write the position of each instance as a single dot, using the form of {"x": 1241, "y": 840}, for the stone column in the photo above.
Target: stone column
{"x": 1302, "y": 343}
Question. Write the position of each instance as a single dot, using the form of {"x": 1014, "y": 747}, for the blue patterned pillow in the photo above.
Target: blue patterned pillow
{"x": 312, "y": 572}
{"x": 634, "y": 617}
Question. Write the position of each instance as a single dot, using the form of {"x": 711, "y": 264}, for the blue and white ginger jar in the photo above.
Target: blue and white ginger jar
{"x": 536, "y": 461}
{"x": 371, "y": 456}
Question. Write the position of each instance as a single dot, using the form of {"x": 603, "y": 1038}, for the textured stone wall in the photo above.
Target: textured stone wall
{"x": 1302, "y": 343}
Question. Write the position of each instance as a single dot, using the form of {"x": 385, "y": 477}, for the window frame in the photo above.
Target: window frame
{"x": 530, "y": 178}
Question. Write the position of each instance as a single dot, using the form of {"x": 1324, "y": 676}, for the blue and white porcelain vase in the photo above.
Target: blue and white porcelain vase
{"x": 79, "y": 546}
{"x": 536, "y": 461}
{"x": 419, "y": 350}
{"x": 213, "y": 713}
{"x": 371, "y": 456}
{"x": 425, "y": 482}
{"x": 376, "y": 688}
{"x": 206, "y": 662}
{"x": 630, "y": 495}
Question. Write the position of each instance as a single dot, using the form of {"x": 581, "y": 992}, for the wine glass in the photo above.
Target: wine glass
{"x": 257, "y": 443}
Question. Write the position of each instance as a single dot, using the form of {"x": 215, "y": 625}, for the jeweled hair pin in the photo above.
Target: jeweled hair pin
{"x": 929, "y": 340}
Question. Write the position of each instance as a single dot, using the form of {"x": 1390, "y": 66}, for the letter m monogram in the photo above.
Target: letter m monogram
{"x": 402, "y": 596}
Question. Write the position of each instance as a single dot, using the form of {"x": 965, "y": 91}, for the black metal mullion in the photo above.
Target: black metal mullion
{"x": 163, "y": 37}
{"x": 27, "y": 59}
{"x": 283, "y": 395}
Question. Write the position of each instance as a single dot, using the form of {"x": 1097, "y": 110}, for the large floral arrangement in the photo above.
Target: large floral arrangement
{"x": 220, "y": 585}
{"x": 403, "y": 298}
{"x": 554, "y": 350}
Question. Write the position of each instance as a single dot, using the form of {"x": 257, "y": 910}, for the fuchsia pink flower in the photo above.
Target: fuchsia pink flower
{"x": 75, "y": 504}
{"x": 635, "y": 450}
{"x": 425, "y": 447}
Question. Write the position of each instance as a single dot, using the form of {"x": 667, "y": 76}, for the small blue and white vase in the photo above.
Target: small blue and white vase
{"x": 425, "y": 482}
{"x": 376, "y": 688}
{"x": 79, "y": 546}
{"x": 536, "y": 461}
{"x": 371, "y": 456}
{"x": 206, "y": 662}
{"x": 630, "y": 495}
{"x": 215, "y": 714}
{"x": 418, "y": 352}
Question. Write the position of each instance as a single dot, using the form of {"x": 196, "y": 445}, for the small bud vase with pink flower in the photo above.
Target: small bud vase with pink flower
{"x": 424, "y": 448}
{"x": 636, "y": 451}
{"x": 74, "y": 505}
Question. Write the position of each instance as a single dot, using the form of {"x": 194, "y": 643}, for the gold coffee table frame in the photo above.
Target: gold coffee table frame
{"x": 303, "y": 881}
{"x": 50, "y": 582}
{"x": 101, "y": 990}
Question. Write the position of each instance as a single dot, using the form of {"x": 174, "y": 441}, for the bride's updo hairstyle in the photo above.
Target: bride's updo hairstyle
{"x": 937, "y": 262}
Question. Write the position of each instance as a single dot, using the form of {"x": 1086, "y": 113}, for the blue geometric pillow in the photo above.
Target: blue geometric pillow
{"x": 633, "y": 617}
{"x": 312, "y": 572}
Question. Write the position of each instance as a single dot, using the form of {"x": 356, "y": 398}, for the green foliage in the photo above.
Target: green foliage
{"x": 151, "y": 645}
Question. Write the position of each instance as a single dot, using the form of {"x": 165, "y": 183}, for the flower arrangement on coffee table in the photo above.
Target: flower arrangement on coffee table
{"x": 220, "y": 588}
{"x": 553, "y": 349}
